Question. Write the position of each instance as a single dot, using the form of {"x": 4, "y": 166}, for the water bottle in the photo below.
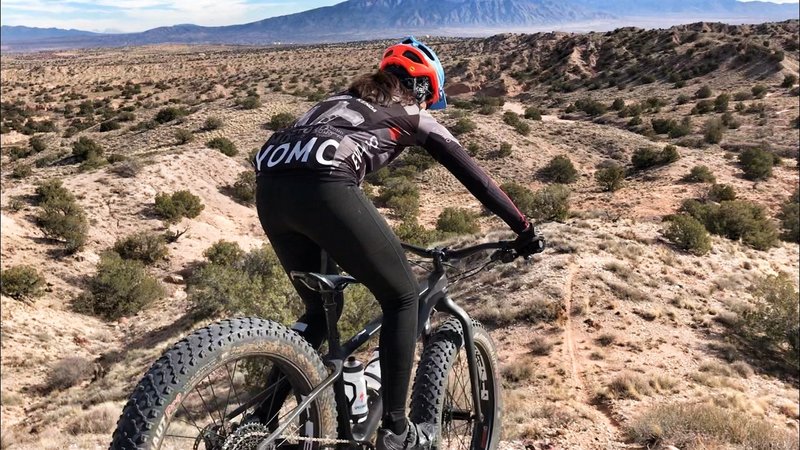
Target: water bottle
{"x": 355, "y": 386}
{"x": 372, "y": 372}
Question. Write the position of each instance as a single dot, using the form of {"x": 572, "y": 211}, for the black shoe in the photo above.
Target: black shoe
{"x": 416, "y": 437}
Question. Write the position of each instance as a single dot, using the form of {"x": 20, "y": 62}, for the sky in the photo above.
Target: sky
{"x": 115, "y": 16}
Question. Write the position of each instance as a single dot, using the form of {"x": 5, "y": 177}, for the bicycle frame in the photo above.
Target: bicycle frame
{"x": 433, "y": 297}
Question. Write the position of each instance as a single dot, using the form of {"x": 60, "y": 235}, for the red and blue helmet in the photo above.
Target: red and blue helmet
{"x": 422, "y": 72}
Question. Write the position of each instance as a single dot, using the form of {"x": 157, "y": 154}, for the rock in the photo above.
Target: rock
{"x": 174, "y": 279}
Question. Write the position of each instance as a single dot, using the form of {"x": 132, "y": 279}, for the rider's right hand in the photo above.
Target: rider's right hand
{"x": 528, "y": 242}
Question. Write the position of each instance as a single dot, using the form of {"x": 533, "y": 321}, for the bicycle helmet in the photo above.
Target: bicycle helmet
{"x": 419, "y": 69}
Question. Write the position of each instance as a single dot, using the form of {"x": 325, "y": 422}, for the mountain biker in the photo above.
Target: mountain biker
{"x": 314, "y": 213}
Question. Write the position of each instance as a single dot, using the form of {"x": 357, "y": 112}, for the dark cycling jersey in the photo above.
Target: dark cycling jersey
{"x": 345, "y": 138}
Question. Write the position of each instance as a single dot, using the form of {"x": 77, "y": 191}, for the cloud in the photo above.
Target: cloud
{"x": 140, "y": 15}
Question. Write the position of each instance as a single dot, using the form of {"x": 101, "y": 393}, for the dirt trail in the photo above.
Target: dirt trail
{"x": 608, "y": 426}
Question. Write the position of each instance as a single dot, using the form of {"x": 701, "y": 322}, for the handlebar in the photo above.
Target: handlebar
{"x": 504, "y": 252}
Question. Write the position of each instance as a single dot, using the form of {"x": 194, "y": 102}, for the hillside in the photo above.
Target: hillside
{"x": 370, "y": 19}
{"x": 613, "y": 338}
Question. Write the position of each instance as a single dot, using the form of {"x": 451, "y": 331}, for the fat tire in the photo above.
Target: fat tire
{"x": 145, "y": 417}
{"x": 433, "y": 371}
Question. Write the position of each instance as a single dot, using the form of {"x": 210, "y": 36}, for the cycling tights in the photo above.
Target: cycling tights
{"x": 311, "y": 223}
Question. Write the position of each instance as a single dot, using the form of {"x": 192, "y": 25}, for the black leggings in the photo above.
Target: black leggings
{"x": 312, "y": 223}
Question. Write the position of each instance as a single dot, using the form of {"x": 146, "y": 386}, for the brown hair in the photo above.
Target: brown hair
{"x": 381, "y": 88}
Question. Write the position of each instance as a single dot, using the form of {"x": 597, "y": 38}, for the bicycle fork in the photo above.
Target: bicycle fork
{"x": 446, "y": 304}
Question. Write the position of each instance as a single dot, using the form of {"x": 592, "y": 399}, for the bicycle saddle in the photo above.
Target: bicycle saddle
{"x": 319, "y": 282}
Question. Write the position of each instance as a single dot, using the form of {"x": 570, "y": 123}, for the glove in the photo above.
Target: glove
{"x": 528, "y": 242}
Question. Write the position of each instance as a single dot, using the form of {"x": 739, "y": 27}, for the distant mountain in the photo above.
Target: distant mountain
{"x": 371, "y": 19}
{"x": 10, "y": 34}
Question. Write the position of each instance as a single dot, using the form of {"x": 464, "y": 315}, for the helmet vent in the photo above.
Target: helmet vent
{"x": 412, "y": 56}
{"x": 427, "y": 52}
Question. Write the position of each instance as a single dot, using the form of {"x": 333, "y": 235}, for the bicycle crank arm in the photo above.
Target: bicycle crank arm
{"x": 289, "y": 418}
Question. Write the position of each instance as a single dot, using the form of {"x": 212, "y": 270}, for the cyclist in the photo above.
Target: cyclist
{"x": 314, "y": 213}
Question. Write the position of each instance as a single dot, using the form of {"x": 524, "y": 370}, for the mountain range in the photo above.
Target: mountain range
{"x": 370, "y": 19}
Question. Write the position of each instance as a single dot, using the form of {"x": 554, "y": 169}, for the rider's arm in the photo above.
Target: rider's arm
{"x": 438, "y": 141}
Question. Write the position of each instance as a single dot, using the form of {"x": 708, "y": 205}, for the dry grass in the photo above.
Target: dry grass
{"x": 703, "y": 425}
{"x": 540, "y": 345}
{"x": 634, "y": 386}
{"x": 99, "y": 419}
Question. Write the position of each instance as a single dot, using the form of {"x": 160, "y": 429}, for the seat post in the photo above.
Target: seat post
{"x": 329, "y": 304}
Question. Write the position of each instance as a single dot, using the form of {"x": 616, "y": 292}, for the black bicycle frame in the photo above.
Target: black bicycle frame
{"x": 433, "y": 296}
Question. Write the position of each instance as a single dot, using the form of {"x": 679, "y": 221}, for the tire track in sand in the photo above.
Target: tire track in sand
{"x": 578, "y": 375}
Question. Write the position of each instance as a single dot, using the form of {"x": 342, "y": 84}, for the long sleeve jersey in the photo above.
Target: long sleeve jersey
{"x": 345, "y": 138}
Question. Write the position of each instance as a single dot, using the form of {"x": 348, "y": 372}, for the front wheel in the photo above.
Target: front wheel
{"x": 226, "y": 387}
{"x": 442, "y": 393}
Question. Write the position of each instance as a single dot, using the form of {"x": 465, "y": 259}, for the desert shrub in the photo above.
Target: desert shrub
{"x": 618, "y": 104}
{"x": 721, "y": 103}
{"x": 62, "y": 218}
{"x": 224, "y": 253}
{"x": 126, "y": 116}
{"x": 109, "y": 125}
{"x": 663, "y": 126}
{"x": 684, "y": 128}
{"x": 212, "y": 123}
{"x": 22, "y": 171}
{"x": 705, "y": 425}
{"x": 721, "y": 192}
{"x": 183, "y": 136}
{"x": 540, "y": 346}
{"x": 128, "y": 168}
{"x": 688, "y": 234}
{"x": 463, "y": 126}
{"x": 591, "y": 107}
{"x": 249, "y": 102}
{"x": 729, "y": 121}
{"x": 735, "y": 220}
{"x": 280, "y": 121}
{"x": 551, "y": 203}
{"x": 52, "y": 190}
{"x": 224, "y": 145}
{"x": 790, "y": 218}
{"x": 756, "y": 163}
{"x": 473, "y": 148}
{"x": 646, "y": 157}
{"x": 37, "y": 144}
{"x": 611, "y": 177}
{"x": 560, "y": 170}
{"x": 86, "y": 149}
{"x": 400, "y": 194}
{"x": 417, "y": 157}
{"x": 457, "y": 220}
{"x": 520, "y": 195}
{"x": 533, "y": 113}
{"x": 759, "y": 91}
{"x": 244, "y": 188}
{"x": 121, "y": 287}
{"x": 742, "y": 96}
{"x": 775, "y": 317}
{"x": 703, "y": 107}
{"x": 505, "y": 150}
{"x": 409, "y": 230}
{"x": 21, "y": 282}
{"x": 512, "y": 118}
{"x": 169, "y": 114}
{"x": 712, "y": 131}
{"x": 115, "y": 158}
{"x": 173, "y": 207}
{"x": 789, "y": 80}
{"x": 682, "y": 99}
{"x": 67, "y": 373}
{"x": 252, "y": 285}
{"x": 99, "y": 419}
{"x": 700, "y": 174}
{"x": 703, "y": 92}
{"x": 143, "y": 246}
{"x": 16, "y": 153}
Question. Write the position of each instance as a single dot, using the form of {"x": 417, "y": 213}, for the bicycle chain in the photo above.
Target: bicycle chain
{"x": 261, "y": 435}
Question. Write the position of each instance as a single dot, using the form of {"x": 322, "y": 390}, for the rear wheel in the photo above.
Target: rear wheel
{"x": 442, "y": 393}
{"x": 203, "y": 392}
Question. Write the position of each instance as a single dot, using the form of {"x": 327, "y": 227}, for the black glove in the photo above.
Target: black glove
{"x": 528, "y": 242}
